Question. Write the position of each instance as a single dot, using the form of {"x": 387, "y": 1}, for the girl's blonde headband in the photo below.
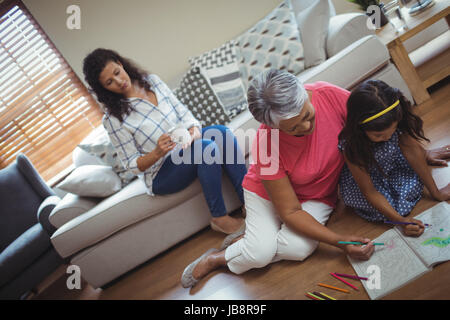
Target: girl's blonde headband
{"x": 381, "y": 113}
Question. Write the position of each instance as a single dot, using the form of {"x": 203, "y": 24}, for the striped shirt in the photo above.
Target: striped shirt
{"x": 139, "y": 132}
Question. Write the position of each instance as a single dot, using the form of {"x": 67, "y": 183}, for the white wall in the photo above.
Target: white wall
{"x": 159, "y": 35}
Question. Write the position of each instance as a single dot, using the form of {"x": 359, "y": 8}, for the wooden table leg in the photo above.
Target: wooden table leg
{"x": 408, "y": 71}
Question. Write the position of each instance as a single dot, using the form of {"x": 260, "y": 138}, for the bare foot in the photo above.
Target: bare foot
{"x": 209, "y": 264}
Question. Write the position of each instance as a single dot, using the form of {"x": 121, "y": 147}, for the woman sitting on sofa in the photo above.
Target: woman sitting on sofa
{"x": 140, "y": 111}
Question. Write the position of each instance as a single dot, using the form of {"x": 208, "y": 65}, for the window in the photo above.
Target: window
{"x": 45, "y": 110}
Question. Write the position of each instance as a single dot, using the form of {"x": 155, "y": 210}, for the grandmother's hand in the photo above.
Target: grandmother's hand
{"x": 359, "y": 252}
{"x": 438, "y": 156}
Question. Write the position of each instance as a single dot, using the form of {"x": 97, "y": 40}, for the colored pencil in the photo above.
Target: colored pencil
{"x": 331, "y": 287}
{"x": 360, "y": 243}
{"x": 406, "y": 223}
{"x": 317, "y": 294}
{"x": 349, "y": 284}
{"x": 329, "y": 297}
{"x": 310, "y": 295}
{"x": 350, "y": 276}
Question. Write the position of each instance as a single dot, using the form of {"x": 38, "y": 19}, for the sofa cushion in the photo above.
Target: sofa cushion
{"x": 220, "y": 68}
{"x": 22, "y": 252}
{"x": 197, "y": 95}
{"x": 313, "y": 27}
{"x": 273, "y": 42}
{"x": 244, "y": 127}
{"x": 347, "y": 68}
{"x": 91, "y": 181}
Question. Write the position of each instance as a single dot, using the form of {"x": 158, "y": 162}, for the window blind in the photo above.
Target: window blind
{"x": 45, "y": 110}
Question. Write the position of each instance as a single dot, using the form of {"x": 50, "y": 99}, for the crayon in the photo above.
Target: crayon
{"x": 334, "y": 288}
{"x": 349, "y": 284}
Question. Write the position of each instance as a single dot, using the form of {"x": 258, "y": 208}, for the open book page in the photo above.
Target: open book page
{"x": 390, "y": 267}
{"x": 433, "y": 246}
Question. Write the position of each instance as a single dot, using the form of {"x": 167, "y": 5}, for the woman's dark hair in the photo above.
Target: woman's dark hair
{"x": 114, "y": 103}
{"x": 366, "y": 100}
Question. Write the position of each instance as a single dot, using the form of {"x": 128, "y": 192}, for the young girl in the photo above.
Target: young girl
{"x": 386, "y": 167}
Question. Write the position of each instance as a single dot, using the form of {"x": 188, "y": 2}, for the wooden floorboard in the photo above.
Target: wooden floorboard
{"x": 159, "y": 278}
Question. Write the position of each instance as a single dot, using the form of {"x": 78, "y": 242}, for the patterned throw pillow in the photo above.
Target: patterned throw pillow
{"x": 103, "y": 149}
{"x": 197, "y": 95}
{"x": 272, "y": 43}
{"x": 221, "y": 69}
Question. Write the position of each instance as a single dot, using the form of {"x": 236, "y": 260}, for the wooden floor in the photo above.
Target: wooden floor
{"x": 159, "y": 278}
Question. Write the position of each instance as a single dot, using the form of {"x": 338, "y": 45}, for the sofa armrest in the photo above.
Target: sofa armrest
{"x": 44, "y": 211}
{"x": 70, "y": 207}
{"x": 344, "y": 29}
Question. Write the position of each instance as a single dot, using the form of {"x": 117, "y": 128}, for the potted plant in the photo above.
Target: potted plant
{"x": 364, "y": 4}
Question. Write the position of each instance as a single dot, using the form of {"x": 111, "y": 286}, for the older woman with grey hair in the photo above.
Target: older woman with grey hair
{"x": 291, "y": 188}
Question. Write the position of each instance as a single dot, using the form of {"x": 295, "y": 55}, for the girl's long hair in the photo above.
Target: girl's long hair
{"x": 366, "y": 100}
{"x": 114, "y": 103}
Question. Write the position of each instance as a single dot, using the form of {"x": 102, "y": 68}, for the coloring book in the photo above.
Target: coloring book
{"x": 403, "y": 259}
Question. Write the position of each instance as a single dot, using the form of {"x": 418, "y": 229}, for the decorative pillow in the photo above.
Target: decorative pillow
{"x": 197, "y": 95}
{"x": 313, "y": 24}
{"x": 92, "y": 181}
{"x": 221, "y": 69}
{"x": 225, "y": 54}
{"x": 272, "y": 43}
{"x": 105, "y": 151}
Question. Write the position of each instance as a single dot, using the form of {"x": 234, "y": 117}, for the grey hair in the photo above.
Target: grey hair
{"x": 275, "y": 95}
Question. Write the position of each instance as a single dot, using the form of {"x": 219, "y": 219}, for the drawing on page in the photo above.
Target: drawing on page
{"x": 438, "y": 242}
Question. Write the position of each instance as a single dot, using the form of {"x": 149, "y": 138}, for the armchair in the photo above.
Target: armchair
{"x": 26, "y": 253}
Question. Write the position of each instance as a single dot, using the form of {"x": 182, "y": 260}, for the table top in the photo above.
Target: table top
{"x": 415, "y": 24}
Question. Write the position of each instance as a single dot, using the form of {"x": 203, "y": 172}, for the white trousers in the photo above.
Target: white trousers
{"x": 267, "y": 239}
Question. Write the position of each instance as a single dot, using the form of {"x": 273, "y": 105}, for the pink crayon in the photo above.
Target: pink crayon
{"x": 350, "y": 276}
{"x": 349, "y": 284}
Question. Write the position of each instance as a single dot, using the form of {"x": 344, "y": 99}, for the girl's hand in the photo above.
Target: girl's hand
{"x": 360, "y": 252}
{"x": 443, "y": 194}
{"x": 413, "y": 230}
{"x": 164, "y": 145}
{"x": 438, "y": 156}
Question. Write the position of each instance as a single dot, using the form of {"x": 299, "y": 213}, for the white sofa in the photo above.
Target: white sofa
{"x": 108, "y": 237}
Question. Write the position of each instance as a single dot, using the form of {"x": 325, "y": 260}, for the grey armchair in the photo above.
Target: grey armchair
{"x": 26, "y": 254}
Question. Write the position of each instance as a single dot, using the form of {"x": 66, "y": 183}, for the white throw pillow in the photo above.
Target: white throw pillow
{"x": 102, "y": 148}
{"x": 313, "y": 24}
{"x": 92, "y": 181}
